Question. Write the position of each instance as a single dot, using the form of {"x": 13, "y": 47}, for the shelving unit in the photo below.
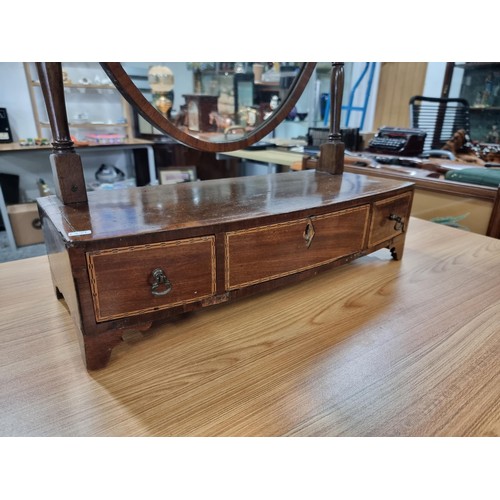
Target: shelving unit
{"x": 128, "y": 145}
{"x": 480, "y": 86}
{"x": 213, "y": 79}
{"x": 93, "y": 108}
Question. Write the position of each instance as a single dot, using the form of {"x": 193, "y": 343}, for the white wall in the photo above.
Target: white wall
{"x": 434, "y": 80}
{"x": 309, "y": 101}
{"x": 15, "y": 97}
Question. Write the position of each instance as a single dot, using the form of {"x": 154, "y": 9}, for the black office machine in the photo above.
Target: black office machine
{"x": 400, "y": 141}
{"x": 5, "y": 132}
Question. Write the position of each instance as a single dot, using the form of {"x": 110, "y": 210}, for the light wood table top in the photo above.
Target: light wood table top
{"x": 277, "y": 156}
{"x": 375, "y": 348}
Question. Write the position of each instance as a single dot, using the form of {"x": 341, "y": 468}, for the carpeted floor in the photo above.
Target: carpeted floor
{"x": 7, "y": 254}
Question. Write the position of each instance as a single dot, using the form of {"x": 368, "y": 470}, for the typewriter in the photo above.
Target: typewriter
{"x": 400, "y": 141}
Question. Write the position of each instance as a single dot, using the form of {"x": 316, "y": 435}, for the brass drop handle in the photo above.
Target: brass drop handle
{"x": 160, "y": 280}
{"x": 400, "y": 225}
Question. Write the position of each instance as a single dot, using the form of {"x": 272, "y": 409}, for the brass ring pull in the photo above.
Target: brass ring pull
{"x": 160, "y": 279}
{"x": 400, "y": 225}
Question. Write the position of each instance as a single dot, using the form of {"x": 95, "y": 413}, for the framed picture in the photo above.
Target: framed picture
{"x": 176, "y": 175}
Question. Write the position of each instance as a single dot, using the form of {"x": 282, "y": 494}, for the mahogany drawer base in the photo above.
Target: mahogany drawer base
{"x": 131, "y": 257}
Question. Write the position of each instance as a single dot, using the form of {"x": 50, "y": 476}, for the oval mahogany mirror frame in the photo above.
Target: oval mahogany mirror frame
{"x": 135, "y": 97}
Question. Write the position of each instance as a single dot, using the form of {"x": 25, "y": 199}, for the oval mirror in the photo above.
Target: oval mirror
{"x": 227, "y": 106}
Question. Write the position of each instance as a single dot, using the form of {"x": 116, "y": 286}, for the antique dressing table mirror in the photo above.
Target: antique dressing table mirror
{"x": 124, "y": 259}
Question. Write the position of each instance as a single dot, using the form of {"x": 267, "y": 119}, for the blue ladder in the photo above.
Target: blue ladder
{"x": 349, "y": 107}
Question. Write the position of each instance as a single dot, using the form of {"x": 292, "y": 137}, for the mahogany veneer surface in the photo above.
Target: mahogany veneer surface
{"x": 120, "y": 213}
{"x": 211, "y": 242}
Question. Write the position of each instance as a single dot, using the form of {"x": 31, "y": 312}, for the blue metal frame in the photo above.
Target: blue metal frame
{"x": 349, "y": 107}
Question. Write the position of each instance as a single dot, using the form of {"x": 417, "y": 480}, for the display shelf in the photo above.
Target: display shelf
{"x": 477, "y": 65}
{"x": 17, "y": 149}
{"x": 88, "y": 125}
{"x": 481, "y": 88}
{"x": 81, "y": 86}
{"x": 484, "y": 108}
{"x": 93, "y": 106}
{"x": 13, "y": 146}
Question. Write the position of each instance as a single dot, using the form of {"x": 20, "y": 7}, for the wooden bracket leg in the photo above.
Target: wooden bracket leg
{"x": 397, "y": 247}
{"x": 97, "y": 348}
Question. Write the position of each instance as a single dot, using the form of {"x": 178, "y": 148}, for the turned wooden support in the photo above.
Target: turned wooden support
{"x": 331, "y": 157}
{"x": 66, "y": 165}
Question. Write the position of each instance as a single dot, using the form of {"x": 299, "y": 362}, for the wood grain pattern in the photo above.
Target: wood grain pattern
{"x": 399, "y": 81}
{"x": 487, "y": 198}
{"x": 120, "y": 278}
{"x": 375, "y": 348}
{"x": 268, "y": 252}
{"x": 184, "y": 207}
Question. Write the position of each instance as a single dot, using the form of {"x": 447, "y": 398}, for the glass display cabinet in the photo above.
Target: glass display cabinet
{"x": 480, "y": 86}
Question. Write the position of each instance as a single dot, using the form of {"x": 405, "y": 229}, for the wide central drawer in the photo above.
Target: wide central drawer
{"x": 143, "y": 278}
{"x": 268, "y": 252}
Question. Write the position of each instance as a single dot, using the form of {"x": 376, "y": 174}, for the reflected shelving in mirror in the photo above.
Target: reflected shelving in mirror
{"x": 93, "y": 105}
{"x": 210, "y": 106}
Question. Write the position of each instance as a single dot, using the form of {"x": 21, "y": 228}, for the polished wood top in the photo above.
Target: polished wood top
{"x": 209, "y": 203}
{"x": 375, "y": 348}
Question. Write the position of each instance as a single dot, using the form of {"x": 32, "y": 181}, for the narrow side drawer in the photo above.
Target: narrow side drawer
{"x": 384, "y": 225}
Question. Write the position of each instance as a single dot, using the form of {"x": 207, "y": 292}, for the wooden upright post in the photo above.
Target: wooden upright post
{"x": 66, "y": 165}
{"x": 331, "y": 157}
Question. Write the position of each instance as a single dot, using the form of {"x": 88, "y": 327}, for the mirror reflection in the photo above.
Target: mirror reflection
{"x": 214, "y": 101}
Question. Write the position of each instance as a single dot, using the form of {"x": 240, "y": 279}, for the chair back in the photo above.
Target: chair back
{"x": 439, "y": 117}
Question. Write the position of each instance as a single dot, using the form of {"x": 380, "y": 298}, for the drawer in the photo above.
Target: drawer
{"x": 264, "y": 253}
{"x": 124, "y": 282}
{"x": 385, "y": 225}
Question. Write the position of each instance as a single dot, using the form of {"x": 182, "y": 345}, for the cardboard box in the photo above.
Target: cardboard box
{"x": 26, "y": 224}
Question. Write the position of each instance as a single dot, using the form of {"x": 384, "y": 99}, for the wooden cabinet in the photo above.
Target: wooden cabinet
{"x": 481, "y": 87}
{"x": 127, "y": 258}
{"x": 168, "y": 152}
{"x": 97, "y": 113}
